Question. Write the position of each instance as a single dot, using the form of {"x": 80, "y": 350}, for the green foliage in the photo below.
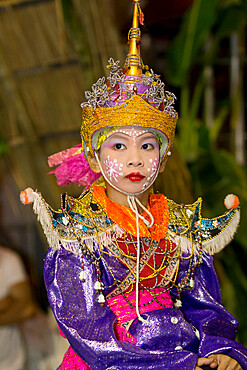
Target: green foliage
{"x": 215, "y": 172}
{"x": 79, "y": 34}
{"x": 237, "y": 283}
{"x": 204, "y": 18}
{"x": 194, "y": 31}
{"x": 230, "y": 19}
{"x": 3, "y": 147}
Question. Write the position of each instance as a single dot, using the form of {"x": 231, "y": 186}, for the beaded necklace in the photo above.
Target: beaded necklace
{"x": 127, "y": 240}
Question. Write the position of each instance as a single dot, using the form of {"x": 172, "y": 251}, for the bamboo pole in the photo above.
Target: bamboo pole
{"x": 61, "y": 30}
{"x": 10, "y": 3}
{"x": 209, "y": 89}
{"x": 28, "y": 159}
{"x": 237, "y": 96}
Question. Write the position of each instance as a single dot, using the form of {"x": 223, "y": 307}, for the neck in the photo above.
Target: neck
{"x": 121, "y": 198}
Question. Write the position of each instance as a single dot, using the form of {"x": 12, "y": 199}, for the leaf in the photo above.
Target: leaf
{"x": 235, "y": 271}
{"x": 190, "y": 40}
{"x": 3, "y": 147}
{"x": 218, "y": 124}
{"x": 230, "y": 20}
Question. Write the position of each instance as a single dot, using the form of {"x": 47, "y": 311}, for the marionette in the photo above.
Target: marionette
{"x": 129, "y": 274}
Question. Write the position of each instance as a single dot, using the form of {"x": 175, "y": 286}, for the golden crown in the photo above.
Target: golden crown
{"x": 134, "y": 96}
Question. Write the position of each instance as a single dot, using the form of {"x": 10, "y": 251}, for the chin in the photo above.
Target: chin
{"x": 133, "y": 188}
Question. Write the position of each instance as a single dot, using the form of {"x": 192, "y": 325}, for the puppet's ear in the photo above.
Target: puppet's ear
{"x": 162, "y": 165}
{"x": 93, "y": 164}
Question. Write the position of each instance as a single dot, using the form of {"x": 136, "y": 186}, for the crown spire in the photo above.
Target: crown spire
{"x": 133, "y": 63}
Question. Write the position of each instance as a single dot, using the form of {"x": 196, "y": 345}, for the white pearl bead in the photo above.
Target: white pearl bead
{"x": 82, "y": 275}
{"x": 174, "y": 320}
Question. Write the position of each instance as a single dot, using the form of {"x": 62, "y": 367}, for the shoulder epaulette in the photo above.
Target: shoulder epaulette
{"x": 78, "y": 221}
{"x": 188, "y": 227}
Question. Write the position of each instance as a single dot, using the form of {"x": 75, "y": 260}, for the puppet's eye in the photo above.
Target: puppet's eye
{"x": 147, "y": 146}
{"x": 119, "y": 146}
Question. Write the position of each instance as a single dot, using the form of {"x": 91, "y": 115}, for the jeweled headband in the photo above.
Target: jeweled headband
{"x": 132, "y": 96}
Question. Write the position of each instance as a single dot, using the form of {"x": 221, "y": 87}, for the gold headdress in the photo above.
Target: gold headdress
{"x": 129, "y": 98}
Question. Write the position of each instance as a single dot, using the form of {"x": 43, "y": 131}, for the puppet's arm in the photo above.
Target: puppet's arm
{"x": 202, "y": 308}
{"x": 89, "y": 327}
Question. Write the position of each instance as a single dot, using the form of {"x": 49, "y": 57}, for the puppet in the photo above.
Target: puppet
{"x": 129, "y": 274}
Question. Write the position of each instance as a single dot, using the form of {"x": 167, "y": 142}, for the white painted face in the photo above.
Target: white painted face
{"x": 113, "y": 169}
{"x": 133, "y": 133}
{"x": 129, "y": 158}
{"x": 152, "y": 171}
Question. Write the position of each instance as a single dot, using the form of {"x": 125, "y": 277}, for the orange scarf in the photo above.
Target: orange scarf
{"x": 126, "y": 218}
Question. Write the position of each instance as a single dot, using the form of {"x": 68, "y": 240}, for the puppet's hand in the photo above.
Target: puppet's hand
{"x": 226, "y": 362}
{"x": 210, "y": 362}
{"x": 26, "y": 196}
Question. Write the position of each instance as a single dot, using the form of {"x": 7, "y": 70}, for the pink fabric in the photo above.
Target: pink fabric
{"x": 71, "y": 361}
{"x": 123, "y": 312}
{"x": 72, "y": 168}
{"x": 62, "y": 156}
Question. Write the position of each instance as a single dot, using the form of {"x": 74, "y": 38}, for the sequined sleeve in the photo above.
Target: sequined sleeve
{"x": 202, "y": 307}
{"x": 90, "y": 328}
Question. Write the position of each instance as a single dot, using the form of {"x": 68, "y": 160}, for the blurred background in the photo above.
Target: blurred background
{"x": 51, "y": 51}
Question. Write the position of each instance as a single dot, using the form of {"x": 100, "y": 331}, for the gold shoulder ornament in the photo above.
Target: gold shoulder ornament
{"x": 191, "y": 231}
{"x": 78, "y": 220}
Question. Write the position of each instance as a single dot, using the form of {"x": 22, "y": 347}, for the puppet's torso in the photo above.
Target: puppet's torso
{"x": 90, "y": 273}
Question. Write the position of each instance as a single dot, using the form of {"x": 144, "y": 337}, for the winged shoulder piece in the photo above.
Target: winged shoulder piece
{"x": 78, "y": 221}
{"x": 191, "y": 230}
{"x": 84, "y": 220}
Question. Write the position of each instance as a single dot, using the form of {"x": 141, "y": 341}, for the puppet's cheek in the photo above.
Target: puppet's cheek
{"x": 112, "y": 169}
{"x": 153, "y": 170}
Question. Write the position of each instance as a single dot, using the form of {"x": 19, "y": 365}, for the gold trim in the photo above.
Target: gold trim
{"x": 133, "y": 63}
{"x": 133, "y": 112}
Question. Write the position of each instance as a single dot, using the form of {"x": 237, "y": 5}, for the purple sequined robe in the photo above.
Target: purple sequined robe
{"x": 90, "y": 327}
{"x": 169, "y": 340}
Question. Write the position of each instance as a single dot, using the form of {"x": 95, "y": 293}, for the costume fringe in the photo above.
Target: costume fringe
{"x": 216, "y": 244}
{"x": 41, "y": 209}
{"x": 55, "y": 241}
{"x": 103, "y": 238}
{"x": 183, "y": 243}
{"x": 213, "y": 245}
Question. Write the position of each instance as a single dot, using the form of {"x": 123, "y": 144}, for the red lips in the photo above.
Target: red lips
{"x": 135, "y": 176}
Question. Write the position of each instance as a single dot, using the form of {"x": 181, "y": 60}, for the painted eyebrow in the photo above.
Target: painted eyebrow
{"x": 150, "y": 137}
{"x": 114, "y": 141}
{"x": 121, "y": 134}
{"x": 117, "y": 136}
{"x": 147, "y": 133}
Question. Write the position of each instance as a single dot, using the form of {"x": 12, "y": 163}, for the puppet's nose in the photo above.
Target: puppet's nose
{"x": 135, "y": 161}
